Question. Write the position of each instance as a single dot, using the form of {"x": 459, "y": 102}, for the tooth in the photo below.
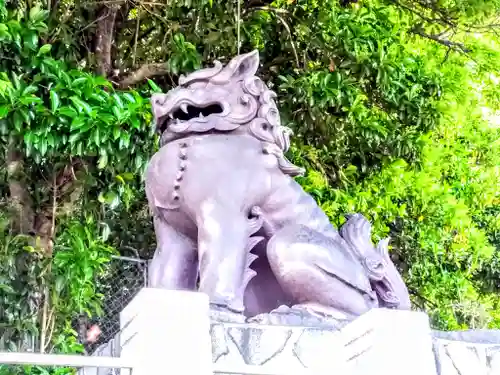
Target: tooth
{"x": 201, "y": 115}
{"x": 171, "y": 115}
{"x": 184, "y": 107}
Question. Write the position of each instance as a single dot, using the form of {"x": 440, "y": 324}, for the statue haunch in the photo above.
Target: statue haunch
{"x": 228, "y": 213}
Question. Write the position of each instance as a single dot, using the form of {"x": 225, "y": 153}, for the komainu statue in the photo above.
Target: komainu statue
{"x": 232, "y": 222}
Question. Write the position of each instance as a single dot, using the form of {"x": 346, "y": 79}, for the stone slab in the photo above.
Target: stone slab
{"x": 381, "y": 342}
{"x": 455, "y": 357}
{"x": 277, "y": 349}
{"x": 167, "y": 330}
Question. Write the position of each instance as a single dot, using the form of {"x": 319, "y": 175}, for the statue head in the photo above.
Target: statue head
{"x": 229, "y": 99}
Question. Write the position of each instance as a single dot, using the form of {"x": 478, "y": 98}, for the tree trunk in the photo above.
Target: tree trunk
{"x": 23, "y": 215}
{"x": 105, "y": 38}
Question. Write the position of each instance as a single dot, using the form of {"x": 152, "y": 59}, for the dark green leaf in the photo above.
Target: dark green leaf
{"x": 18, "y": 120}
{"x": 31, "y": 40}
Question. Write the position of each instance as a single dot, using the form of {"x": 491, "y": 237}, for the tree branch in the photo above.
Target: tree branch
{"x": 144, "y": 72}
{"x": 456, "y": 46}
{"x": 418, "y": 12}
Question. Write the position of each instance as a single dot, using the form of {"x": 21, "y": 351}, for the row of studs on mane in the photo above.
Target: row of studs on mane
{"x": 182, "y": 168}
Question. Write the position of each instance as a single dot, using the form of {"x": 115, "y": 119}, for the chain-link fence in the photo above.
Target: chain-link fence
{"x": 125, "y": 277}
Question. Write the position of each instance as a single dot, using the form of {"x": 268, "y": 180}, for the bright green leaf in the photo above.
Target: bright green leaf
{"x": 154, "y": 86}
{"x": 45, "y": 49}
{"x": 54, "y": 101}
{"x": 103, "y": 161}
{"x": 81, "y": 105}
{"x": 4, "y": 111}
{"x": 68, "y": 111}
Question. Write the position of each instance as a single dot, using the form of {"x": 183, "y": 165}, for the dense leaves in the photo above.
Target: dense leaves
{"x": 53, "y": 111}
{"x": 442, "y": 216}
{"x": 79, "y": 141}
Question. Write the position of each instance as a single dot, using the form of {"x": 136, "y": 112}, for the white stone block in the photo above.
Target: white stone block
{"x": 166, "y": 331}
{"x": 389, "y": 342}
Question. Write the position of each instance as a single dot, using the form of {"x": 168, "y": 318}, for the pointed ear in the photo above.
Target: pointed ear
{"x": 240, "y": 67}
{"x": 248, "y": 64}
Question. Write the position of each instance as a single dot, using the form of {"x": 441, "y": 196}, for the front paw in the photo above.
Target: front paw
{"x": 224, "y": 314}
{"x": 298, "y": 316}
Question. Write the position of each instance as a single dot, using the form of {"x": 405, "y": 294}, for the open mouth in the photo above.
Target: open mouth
{"x": 189, "y": 112}
{"x": 186, "y": 112}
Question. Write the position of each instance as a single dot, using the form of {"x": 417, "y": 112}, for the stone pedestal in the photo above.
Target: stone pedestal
{"x": 389, "y": 342}
{"x": 170, "y": 331}
{"x": 468, "y": 353}
{"x": 165, "y": 331}
{"x": 382, "y": 341}
{"x": 277, "y": 349}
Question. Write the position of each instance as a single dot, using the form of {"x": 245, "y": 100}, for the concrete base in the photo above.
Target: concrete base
{"x": 165, "y": 331}
{"x": 466, "y": 358}
{"x": 380, "y": 342}
{"x": 170, "y": 331}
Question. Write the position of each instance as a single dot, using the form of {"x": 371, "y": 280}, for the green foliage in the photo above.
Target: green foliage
{"x": 20, "y": 268}
{"x": 442, "y": 216}
{"x": 368, "y": 97}
{"x": 52, "y": 111}
{"x": 80, "y": 259}
{"x": 68, "y": 281}
{"x": 77, "y": 135}
{"x": 35, "y": 370}
{"x": 184, "y": 57}
{"x": 3, "y": 10}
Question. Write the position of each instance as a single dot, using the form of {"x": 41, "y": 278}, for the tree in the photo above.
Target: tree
{"x": 69, "y": 141}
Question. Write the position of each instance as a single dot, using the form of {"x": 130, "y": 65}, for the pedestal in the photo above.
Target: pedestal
{"x": 389, "y": 342}
{"x": 382, "y": 341}
{"x": 167, "y": 332}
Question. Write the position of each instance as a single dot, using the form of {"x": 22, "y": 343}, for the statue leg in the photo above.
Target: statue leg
{"x": 174, "y": 265}
{"x": 320, "y": 274}
{"x": 222, "y": 239}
